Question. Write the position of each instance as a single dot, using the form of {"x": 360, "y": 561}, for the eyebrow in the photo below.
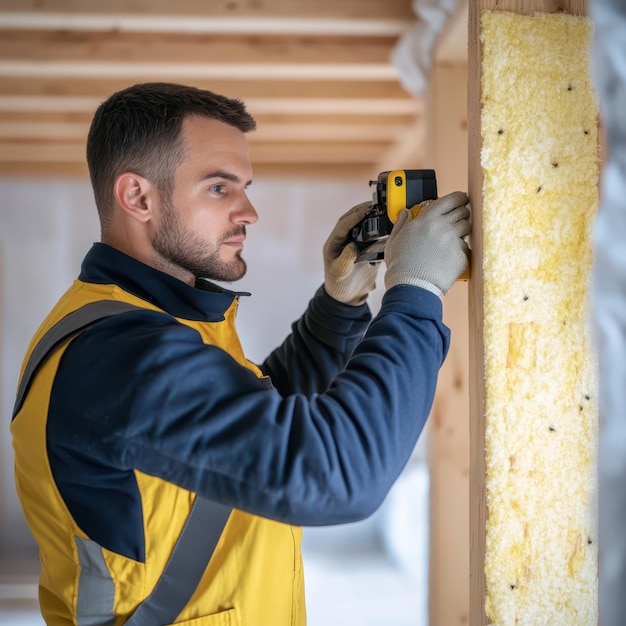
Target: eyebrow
{"x": 226, "y": 175}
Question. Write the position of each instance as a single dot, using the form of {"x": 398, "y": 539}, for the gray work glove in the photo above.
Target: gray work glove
{"x": 428, "y": 250}
{"x": 345, "y": 280}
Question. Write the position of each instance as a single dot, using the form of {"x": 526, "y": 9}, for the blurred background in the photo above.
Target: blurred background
{"x": 341, "y": 91}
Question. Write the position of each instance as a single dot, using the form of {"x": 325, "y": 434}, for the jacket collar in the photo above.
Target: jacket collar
{"x": 205, "y": 301}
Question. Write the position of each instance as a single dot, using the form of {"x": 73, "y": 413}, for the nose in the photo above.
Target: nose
{"x": 245, "y": 213}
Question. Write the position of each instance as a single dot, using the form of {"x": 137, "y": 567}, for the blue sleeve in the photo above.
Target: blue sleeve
{"x": 319, "y": 346}
{"x": 141, "y": 391}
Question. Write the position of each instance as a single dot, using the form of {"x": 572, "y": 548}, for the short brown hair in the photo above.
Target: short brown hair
{"x": 139, "y": 129}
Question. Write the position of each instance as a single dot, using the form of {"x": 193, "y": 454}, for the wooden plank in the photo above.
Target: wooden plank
{"x": 256, "y": 106}
{"x": 42, "y": 152}
{"x": 192, "y": 48}
{"x": 35, "y": 169}
{"x": 381, "y": 121}
{"x": 478, "y": 505}
{"x": 43, "y": 131}
{"x": 184, "y": 72}
{"x": 354, "y": 117}
{"x": 477, "y": 499}
{"x": 313, "y": 171}
{"x": 288, "y": 132}
{"x": 332, "y": 106}
{"x": 277, "y": 171}
{"x": 37, "y": 117}
{"x": 309, "y": 152}
{"x": 326, "y": 132}
{"x": 261, "y": 152}
{"x": 346, "y": 9}
{"x": 254, "y": 88}
{"x": 141, "y": 23}
{"x": 452, "y": 43}
{"x": 448, "y": 434}
{"x": 528, "y": 7}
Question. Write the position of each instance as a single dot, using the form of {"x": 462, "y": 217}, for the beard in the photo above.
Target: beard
{"x": 181, "y": 248}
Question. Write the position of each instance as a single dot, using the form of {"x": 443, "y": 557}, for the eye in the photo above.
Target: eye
{"x": 218, "y": 189}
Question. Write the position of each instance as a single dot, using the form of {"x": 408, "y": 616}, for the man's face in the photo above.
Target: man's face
{"x": 202, "y": 226}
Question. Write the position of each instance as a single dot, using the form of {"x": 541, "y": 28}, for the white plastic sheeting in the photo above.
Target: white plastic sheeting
{"x": 609, "y": 305}
{"x": 413, "y": 54}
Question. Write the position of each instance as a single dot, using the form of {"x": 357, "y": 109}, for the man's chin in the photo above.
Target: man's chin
{"x": 231, "y": 272}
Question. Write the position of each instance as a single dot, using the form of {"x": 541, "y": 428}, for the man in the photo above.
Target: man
{"x": 144, "y": 417}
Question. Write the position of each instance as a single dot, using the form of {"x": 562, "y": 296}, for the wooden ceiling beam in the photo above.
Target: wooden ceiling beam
{"x": 451, "y": 48}
{"x": 332, "y": 106}
{"x": 36, "y": 169}
{"x": 186, "y": 72}
{"x": 301, "y": 9}
{"x": 355, "y": 117}
{"x": 388, "y": 122}
{"x": 256, "y": 106}
{"x": 277, "y": 171}
{"x": 42, "y": 152}
{"x": 244, "y": 89}
{"x": 120, "y": 48}
{"x": 263, "y": 152}
{"x": 201, "y": 24}
{"x": 44, "y": 131}
{"x": 321, "y": 171}
{"x": 311, "y": 132}
{"x": 313, "y": 152}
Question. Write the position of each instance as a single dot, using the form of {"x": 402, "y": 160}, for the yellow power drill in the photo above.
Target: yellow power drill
{"x": 395, "y": 190}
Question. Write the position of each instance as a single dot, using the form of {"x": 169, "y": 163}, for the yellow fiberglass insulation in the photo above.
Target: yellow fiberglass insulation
{"x": 540, "y": 166}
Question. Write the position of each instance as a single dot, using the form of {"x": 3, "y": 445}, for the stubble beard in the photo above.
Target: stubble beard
{"x": 184, "y": 249}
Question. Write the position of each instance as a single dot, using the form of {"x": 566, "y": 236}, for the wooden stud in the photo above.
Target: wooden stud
{"x": 448, "y": 432}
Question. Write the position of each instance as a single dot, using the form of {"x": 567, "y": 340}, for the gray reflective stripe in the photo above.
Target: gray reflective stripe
{"x": 60, "y": 332}
{"x": 96, "y": 591}
{"x": 186, "y": 565}
{"x": 176, "y": 585}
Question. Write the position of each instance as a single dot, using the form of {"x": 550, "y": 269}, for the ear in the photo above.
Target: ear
{"x": 133, "y": 193}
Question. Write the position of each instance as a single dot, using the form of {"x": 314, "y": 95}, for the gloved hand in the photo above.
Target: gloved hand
{"x": 345, "y": 280}
{"x": 428, "y": 250}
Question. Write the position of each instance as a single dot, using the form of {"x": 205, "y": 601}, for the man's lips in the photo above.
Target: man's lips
{"x": 236, "y": 242}
{"x": 235, "y": 238}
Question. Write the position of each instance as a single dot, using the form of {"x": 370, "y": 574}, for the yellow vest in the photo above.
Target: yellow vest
{"x": 255, "y": 576}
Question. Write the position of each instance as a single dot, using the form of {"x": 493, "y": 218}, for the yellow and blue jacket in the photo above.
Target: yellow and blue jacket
{"x": 126, "y": 423}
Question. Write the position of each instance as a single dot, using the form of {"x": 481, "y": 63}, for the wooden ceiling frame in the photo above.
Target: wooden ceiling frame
{"x": 317, "y": 76}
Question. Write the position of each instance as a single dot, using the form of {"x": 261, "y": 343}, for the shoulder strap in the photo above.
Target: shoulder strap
{"x": 207, "y": 519}
{"x": 65, "y": 328}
